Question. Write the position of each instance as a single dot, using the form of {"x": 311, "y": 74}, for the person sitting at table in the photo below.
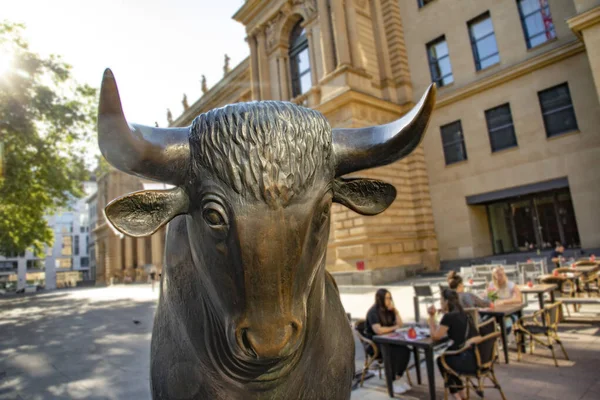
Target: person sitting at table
{"x": 460, "y": 328}
{"x": 383, "y": 318}
{"x": 467, "y": 300}
{"x": 508, "y": 293}
{"x": 557, "y": 254}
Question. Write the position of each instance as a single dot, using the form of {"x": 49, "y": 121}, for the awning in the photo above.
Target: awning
{"x": 489, "y": 197}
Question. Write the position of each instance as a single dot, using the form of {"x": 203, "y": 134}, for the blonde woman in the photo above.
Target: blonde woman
{"x": 508, "y": 292}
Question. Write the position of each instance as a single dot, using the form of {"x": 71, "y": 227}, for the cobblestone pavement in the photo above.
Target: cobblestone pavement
{"x": 84, "y": 344}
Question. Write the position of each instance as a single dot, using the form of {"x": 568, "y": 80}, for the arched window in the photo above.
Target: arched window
{"x": 299, "y": 61}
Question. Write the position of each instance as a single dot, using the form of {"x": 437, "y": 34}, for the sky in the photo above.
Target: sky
{"x": 157, "y": 49}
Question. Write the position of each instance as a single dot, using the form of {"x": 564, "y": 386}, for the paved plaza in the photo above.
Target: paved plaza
{"x": 95, "y": 343}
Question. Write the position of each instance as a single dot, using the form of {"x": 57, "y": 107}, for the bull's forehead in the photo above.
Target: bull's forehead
{"x": 270, "y": 195}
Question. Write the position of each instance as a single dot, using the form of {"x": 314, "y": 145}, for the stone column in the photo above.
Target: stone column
{"x": 157, "y": 250}
{"x": 254, "y": 67}
{"x": 353, "y": 35}
{"x": 113, "y": 265}
{"x": 327, "y": 47}
{"x": 128, "y": 244}
{"x": 383, "y": 56}
{"x": 313, "y": 59}
{"x": 141, "y": 251}
{"x": 340, "y": 32}
{"x": 263, "y": 64}
{"x": 283, "y": 77}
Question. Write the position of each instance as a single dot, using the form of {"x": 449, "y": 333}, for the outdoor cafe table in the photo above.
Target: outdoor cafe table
{"x": 385, "y": 342}
{"x": 540, "y": 289}
{"x": 500, "y": 313}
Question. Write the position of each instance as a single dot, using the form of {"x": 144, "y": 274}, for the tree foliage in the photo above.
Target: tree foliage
{"x": 46, "y": 120}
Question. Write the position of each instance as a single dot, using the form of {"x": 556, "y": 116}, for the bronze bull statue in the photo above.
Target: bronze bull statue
{"x": 246, "y": 309}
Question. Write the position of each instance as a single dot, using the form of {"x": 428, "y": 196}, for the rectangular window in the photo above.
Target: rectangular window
{"x": 36, "y": 264}
{"x": 81, "y": 229}
{"x": 500, "y": 127}
{"x": 453, "y": 142}
{"x": 76, "y": 245}
{"x": 537, "y": 22}
{"x": 63, "y": 262}
{"x": 483, "y": 41}
{"x": 558, "y": 110}
{"x": 85, "y": 262}
{"x": 439, "y": 62}
{"x": 9, "y": 266}
{"x": 87, "y": 245}
{"x": 67, "y": 246}
{"x": 423, "y": 3}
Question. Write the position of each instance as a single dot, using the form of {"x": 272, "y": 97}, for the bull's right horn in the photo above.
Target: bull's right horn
{"x": 362, "y": 148}
{"x": 154, "y": 153}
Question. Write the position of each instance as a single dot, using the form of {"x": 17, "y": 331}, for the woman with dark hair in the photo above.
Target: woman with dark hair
{"x": 383, "y": 318}
{"x": 460, "y": 328}
{"x": 467, "y": 300}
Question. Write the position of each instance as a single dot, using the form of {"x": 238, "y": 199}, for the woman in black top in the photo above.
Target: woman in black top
{"x": 383, "y": 318}
{"x": 460, "y": 328}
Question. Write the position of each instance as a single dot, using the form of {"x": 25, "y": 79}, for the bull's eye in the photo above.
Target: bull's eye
{"x": 214, "y": 215}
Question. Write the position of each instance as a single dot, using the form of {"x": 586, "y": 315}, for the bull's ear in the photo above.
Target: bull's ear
{"x": 143, "y": 213}
{"x": 365, "y": 196}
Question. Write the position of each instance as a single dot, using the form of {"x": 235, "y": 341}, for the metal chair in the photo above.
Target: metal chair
{"x": 485, "y": 356}
{"x": 533, "y": 327}
{"x": 498, "y": 262}
{"x": 466, "y": 272}
{"x": 483, "y": 271}
{"x": 424, "y": 292}
{"x": 529, "y": 271}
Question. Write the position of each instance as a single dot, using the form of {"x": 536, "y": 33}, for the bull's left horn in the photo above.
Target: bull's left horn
{"x": 363, "y": 148}
{"x": 154, "y": 153}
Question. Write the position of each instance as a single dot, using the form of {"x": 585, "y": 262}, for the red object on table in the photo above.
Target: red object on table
{"x": 412, "y": 334}
{"x": 470, "y": 281}
{"x": 555, "y": 273}
{"x": 529, "y": 260}
{"x": 593, "y": 258}
{"x": 530, "y": 284}
{"x": 492, "y": 305}
{"x": 573, "y": 265}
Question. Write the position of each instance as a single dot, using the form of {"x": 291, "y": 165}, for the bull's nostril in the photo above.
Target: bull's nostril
{"x": 246, "y": 343}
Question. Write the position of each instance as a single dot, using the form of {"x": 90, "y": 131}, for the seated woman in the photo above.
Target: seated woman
{"x": 460, "y": 328}
{"x": 467, "y": 300}
{"x": 383, "y": 318}
{"x": 508, "y": 292}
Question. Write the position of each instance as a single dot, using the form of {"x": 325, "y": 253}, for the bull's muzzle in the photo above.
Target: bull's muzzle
{"x": 270, "y": 341}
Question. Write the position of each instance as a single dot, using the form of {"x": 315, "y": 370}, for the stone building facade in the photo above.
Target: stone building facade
{"x": 366, "y": 62}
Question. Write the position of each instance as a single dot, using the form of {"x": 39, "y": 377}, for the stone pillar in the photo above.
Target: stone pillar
{"x": 340, "y": 32}
{"x": 113, "y": 260}
{"x": 141, "y": 251}
{"x": 254, "y": 68}
{"x": 158, "y": 250}
{"x": 128, "y": 243}
{"x": 353, "y": 35}
{"x": 327, "y": 46}
{"x": 283, "y": 77}
{"x": 50, "y": 272}
{"x": 21, "y": 272}
{"x": 383, "y": 56}
{"x": 263, "y": 65}
{"x": 313, "y": 59}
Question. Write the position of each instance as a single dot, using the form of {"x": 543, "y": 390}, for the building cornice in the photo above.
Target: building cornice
{"x": 354, "y": 97}
{"x": 510, "y": 73}
{"x": 583, "y": 21}
{"x": 224, "y": 87}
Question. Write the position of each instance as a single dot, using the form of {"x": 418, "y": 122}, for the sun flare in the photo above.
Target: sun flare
{"x": 6, "y": 60}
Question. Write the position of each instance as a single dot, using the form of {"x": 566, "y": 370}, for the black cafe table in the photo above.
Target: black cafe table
{"x": 500, "y": 313}
{"x": 540, "y": 289}
{"x": 385, "y": 343}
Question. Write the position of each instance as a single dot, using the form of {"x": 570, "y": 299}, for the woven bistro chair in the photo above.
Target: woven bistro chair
{"x": 537, "y": 330}
{"x": 485, "y": 355}
{"x": 374, "y": 360}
